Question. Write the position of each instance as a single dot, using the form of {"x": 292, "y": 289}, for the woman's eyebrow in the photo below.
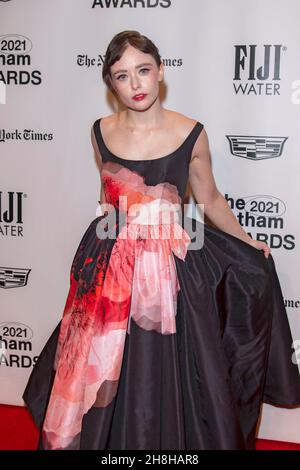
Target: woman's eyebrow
{"x": 137, "y": 66}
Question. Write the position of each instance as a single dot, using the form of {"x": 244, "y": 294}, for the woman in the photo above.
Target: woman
{"x": 174, "y": 332}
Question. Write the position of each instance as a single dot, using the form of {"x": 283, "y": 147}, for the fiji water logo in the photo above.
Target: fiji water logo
{"x": 256, "y": 147}
{"x": 257, "y": 69}
{"x": 11, "y": 213}
{"x": 11, "y": 206}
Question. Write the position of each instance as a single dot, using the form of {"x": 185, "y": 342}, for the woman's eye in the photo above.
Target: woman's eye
{"x": 124, "y": 75}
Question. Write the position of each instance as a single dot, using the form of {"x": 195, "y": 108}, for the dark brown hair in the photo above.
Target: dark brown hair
{"x": 117, "y": 46}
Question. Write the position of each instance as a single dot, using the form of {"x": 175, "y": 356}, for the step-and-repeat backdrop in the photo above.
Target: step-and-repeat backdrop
{"x": 233, "y": 65}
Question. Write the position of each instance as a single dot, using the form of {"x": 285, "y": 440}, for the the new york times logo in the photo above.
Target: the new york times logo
{"x": 257, "y": 68}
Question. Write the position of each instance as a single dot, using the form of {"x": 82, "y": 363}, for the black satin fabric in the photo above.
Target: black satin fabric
{"x": 201, "y": 388}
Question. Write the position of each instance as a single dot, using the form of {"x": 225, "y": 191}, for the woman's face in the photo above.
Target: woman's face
{"x": 136, "y": 73}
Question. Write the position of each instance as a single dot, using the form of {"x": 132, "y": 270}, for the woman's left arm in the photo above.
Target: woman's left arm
{"x": 206, "y": 192}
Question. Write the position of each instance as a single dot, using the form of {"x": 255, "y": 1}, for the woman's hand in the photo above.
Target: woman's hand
{"x": 259, "y": 245}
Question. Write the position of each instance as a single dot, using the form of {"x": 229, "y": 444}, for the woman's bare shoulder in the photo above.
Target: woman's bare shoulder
{"x": 184, "y": 124}
{"x": 109, "y": 120}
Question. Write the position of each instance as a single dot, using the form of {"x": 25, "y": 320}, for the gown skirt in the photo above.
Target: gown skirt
{"x": 161, "y": 346}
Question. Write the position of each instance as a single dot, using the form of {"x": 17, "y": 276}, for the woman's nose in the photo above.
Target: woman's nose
{"x": 135, "y": 82}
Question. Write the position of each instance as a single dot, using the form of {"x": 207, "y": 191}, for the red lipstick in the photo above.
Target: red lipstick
{"x": 139, "y": 97}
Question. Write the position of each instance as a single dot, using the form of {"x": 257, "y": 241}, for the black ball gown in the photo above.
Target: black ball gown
{"x": 161, "y": 346}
